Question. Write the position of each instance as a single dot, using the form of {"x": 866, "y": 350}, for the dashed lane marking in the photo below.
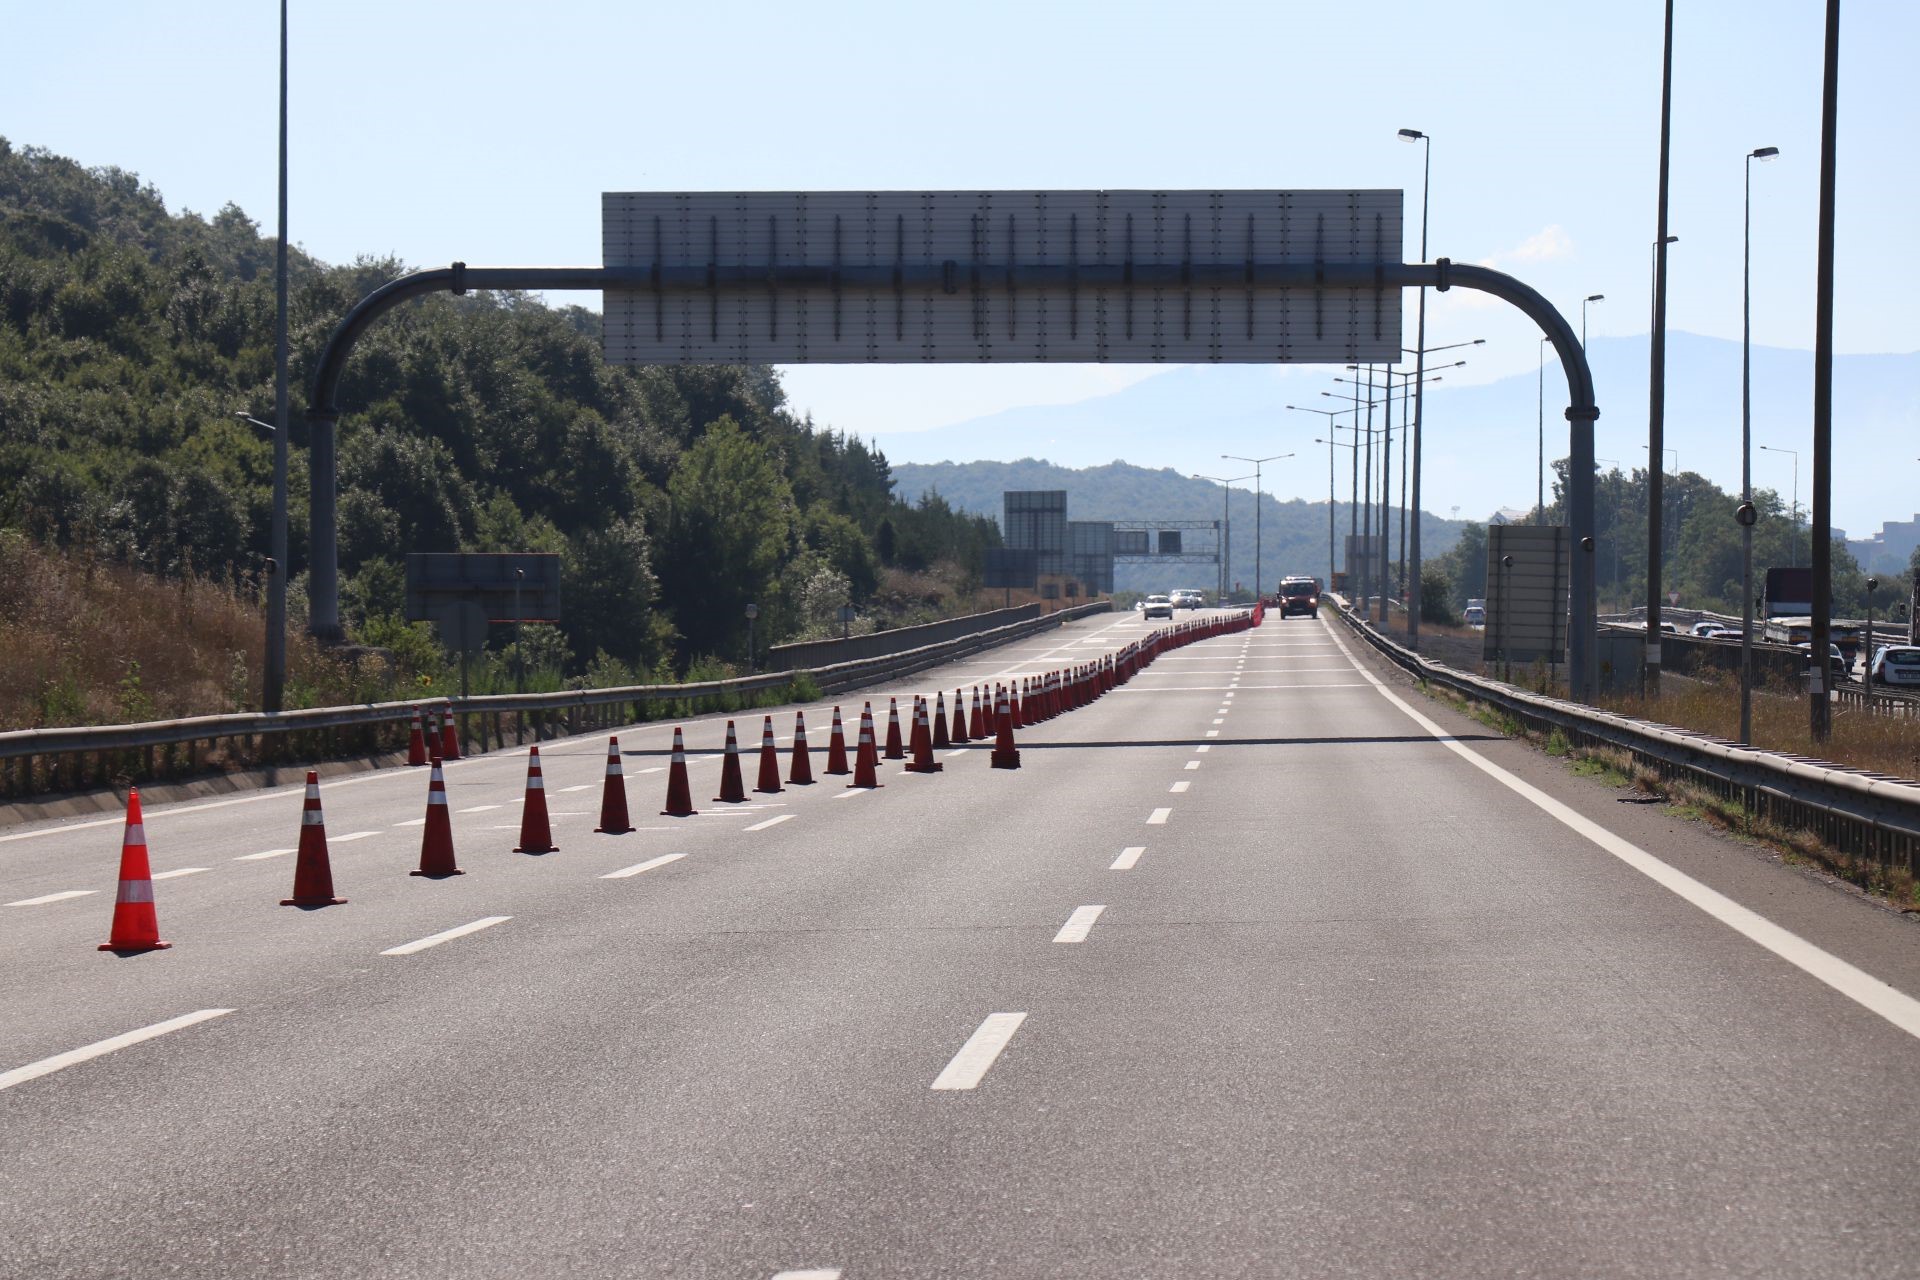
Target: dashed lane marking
{"x": 977, "y": 1056}
{"x": 809, "y": 1273}
{"x": 100, "y": 1048}
{"x": 585, "y": 786}
{"x": 351, "y": 836}
{"x": 773, "y": 821}
{"x": 1213, "y": 733}
{"x": 1180, "y": 787}
{"x": 1078, "y": 924}
{"x": 45, "y": 898}
{"x": 1158, "y": 818}
{"x": 1203, "y": 748}
{"x": 638, "y": 867}
{"x": 177, "y": 872}
{"x": 479, "y": 808}
{"x": 1128, "y": 856}
{"x": 1194, "y": 764}
{"x": 1219, "y": 721}
{"x": 448, "y": 935}
{"x": 268, "y": 853}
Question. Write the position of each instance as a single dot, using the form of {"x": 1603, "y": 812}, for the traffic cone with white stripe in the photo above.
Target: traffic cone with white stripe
{"x": 800, "y": 773}
{"x": 959, "y": 733}
{"x": 940, "y": 740}
{"x": 449, "y": 737}
{"x": 837, "y": 748}
{"x": 977, "y": 726}
{"x": 436, "y": 838}
{"x": 1004, "y": 755}
{"x": 923, "y": 761}
{"x": 416, "y": 742}
{"x": 312, "y": 873}
{"x": 866, "y": 760}
{"x": 536, "y": 832}
{"x": 733, "y": 790}
{"x": 679, "y": 790}
{"x": 613, "y": 796}
{"x": 135, "y": 926}
{"x": 896, "y": 750}
{"x": 769, "y": 783}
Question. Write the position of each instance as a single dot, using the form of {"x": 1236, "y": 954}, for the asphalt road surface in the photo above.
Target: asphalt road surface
{"x": 1245, "y": 972}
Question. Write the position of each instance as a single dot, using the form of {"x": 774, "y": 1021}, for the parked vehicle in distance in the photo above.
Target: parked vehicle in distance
{"x": 1475, "y": 616}
{"x": 1158, "y": 607}
{"x": 1298, "y": 595}
{"x": 1895, "y": 665}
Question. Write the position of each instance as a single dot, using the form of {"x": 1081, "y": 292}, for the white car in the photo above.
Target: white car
{"x": 1188, "y": 598}
{"x": 1896, "y": 664}
{"x": 1158, "y": 607}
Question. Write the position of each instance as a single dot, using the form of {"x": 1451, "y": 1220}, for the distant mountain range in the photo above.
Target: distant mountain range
{"x": 1481, "y": 439}
{"x": 1293, "y": 534}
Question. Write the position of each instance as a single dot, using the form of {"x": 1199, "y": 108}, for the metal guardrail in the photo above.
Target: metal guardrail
{"x": 43, "y": 761}
{"x": 1857, "y": 812}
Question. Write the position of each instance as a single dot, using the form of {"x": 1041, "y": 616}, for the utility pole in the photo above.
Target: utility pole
{"x": 1657, "y": 376}
{"x": 1820, "y": 706}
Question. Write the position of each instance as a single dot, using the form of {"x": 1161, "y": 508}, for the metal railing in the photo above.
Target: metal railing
{"x": 1856, "y": 812}
{"x": 35, "y": 762}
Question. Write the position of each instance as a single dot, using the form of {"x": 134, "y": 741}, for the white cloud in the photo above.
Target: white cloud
{"x": 1543, "y": 245}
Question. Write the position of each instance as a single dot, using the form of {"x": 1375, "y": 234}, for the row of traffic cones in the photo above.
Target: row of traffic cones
{"x": 440, "y": 737}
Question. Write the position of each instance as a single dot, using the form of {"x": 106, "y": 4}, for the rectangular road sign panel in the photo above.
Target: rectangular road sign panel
{"x": 516, "y": 586}
{"x": 859, "y": 277}
{"x": 1012, "y": 567}
{"x": 1527, "y": 600}
{"x": 1130, "y": 542}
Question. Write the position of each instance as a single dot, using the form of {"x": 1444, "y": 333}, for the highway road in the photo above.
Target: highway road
{"x": 1261, "y": 965}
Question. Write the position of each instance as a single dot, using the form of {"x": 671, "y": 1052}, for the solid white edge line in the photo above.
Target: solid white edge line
{"x": 47, "y": 1066}
{"x": 45, "y": 898}
{"x": 1079, "y": 924}
{"x": 1158, "y": 818}
{"x": 773, "y": 822}
{"x": 434, "y": 940}
{"x": 969, "y": 1066}
{"x": 1128, "y": 857}
{"x": 1871, "y": 993}
{"x": 638, "y": 867}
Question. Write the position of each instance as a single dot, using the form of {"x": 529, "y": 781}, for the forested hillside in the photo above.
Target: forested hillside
{"x": 130, "y": 337}
{"x": 1293, "y": 534}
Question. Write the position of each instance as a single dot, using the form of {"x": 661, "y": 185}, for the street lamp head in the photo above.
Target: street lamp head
{"x": 1595, "y": 297}
{"x": 1763, "y": 153}
{"x": 1411, "y": 135}
{"x": 1479, "y": 342}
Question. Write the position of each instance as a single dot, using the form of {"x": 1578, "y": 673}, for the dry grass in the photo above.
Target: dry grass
{"x": 89, "y": 642}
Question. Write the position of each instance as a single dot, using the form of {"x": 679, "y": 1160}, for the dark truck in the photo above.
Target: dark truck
{"x": 1298, "y": 595}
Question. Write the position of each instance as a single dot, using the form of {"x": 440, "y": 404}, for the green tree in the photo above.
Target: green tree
{"x": 732, "y": 529}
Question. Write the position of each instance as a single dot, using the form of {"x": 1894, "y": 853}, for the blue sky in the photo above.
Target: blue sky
{"x": 486, "y": 131}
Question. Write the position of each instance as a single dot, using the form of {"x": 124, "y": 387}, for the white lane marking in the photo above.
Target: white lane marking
{"x": 45, "y": 898}
{"x": 412, "y": 822}
{"x": 479, "y": 808}
{"x": 267, "y": 853}
{"x": 177, "y": 872}
{"x": 1128, "y": 856}
{"x": 100, "y": 1048}
{"x": 1193, "y": 764}
{"x": 850, "y": 793}
{"x": 1244, "y": 688}
{"x": 1871, "y": 993}
{"x": 969, "y": 1066}
{"x": 1180, "y": 786}
{"x": 362, "y": 835}
{"x": 638, "y": 867}
{"x": 809, "y": 1273}
{"x": 961, "y": 752}
{"x": 1228, "y": 697}
{"x": 773, "y": 821}
{"x": 421, "y": 944}
{"x": 1203, "y": 748}
{"x": 1078, "y": 924}
{"x": 1218, "y": 721}
{"x": 658, "y": 768}
{"x": 1213, "y": 733}
{"x": 1158, "y": 818}
{"x": 585, "y": 786}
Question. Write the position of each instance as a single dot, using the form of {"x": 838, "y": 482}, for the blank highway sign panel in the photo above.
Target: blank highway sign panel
{"x": 895, "y": 277}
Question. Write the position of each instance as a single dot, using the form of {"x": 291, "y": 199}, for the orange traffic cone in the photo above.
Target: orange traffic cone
{"x": 1004, "y": 756}
{"x": 416, "y": 742}
{"x": 536, "y": 833}
{"x": 801, "y": 772}
{"x": 135, "y": 926}
{"x": 940, "y": 740}
{"x": 837, "y": 748}
{"x": 895, "y": 749}
{"x": 866, "y": 755}
{"x": 613, "y": 798}
{"x": 977, "y": 727}
{"x": 732, "y": 789}
{"x": 312, "y": 873}
{"x": 449, "y": 737}
{"x": 769, "y": 783}
{"x": 436, "y": 838}
{"x": 959, "y": 733}
{"x": 923, "y": 761}
{"x": 679, "y": 791}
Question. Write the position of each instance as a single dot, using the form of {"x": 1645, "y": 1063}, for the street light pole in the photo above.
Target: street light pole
{"x": 1328, "y": 414}
{"x": 1540, "y": 432}
{"x": 1226, "y": 523}
{"x": 1657, "y": 372}
{"x": 273, "y": 677}
{"x": 1419, "y": 383}
{"x": 1746, "y": 513}
{"x": 1256, "y": 511}
{"x": 1820, "y": 553}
